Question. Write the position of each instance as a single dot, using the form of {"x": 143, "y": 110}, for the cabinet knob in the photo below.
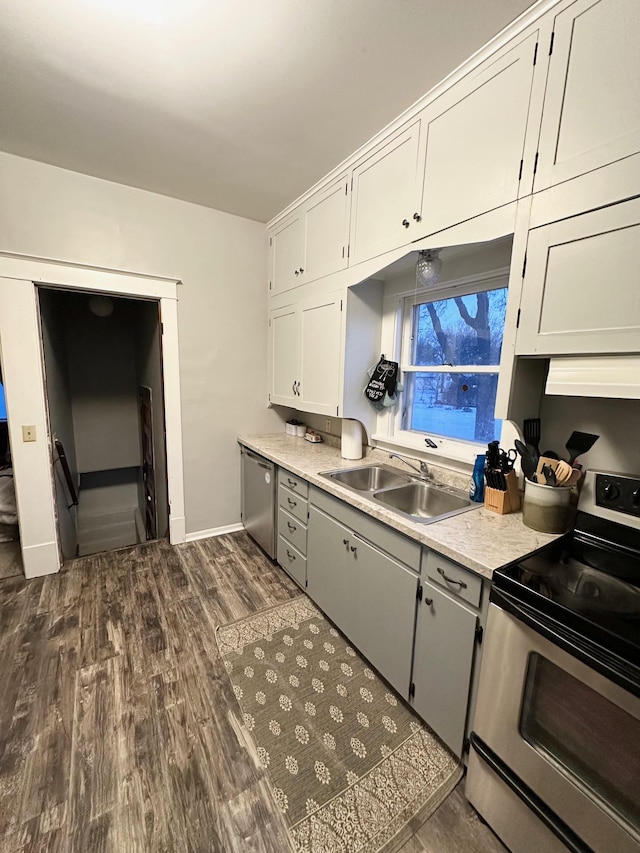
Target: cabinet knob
{"x": 428, "y": 601}
{"x": 291, "y": 527}
{"x": 290, "y": 555}
{"x": 301, "y": 270}
{"x": 345, "y": 541}
{"x": 293, "y": 387}
{"x": 298, "y": 388}
{"x": 296, "y": 272}
{"x": 291, "y": 503}
{"x": 417, "y": 217}
{"x": 354, "y": 549}
{"x": 406, "y": 223}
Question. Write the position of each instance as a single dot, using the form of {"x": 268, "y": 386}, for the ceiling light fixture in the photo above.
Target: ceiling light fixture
{"x": 428, "y": 268}
{"x": 101, "y": 306}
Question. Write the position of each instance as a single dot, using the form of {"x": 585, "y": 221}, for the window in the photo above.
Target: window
{"x": 451, "y": 345}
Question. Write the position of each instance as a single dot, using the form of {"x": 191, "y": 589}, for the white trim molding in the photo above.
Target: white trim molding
{"x": 214, "y": 531}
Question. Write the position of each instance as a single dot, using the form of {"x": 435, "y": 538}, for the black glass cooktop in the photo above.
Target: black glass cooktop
{"x": 588, "y": 581}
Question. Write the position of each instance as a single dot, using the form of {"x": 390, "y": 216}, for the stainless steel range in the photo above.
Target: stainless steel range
{"x": 554, "y": 763}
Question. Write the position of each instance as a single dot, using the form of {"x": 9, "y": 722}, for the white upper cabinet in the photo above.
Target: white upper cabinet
{"x": 286, "y": 245}
{"x": 387, "y": 188}
{"x": 580, "y": 291}
{"x": 591, "y": 111}
{"x": 475, "y": 140}
{"x": 305, "y": 352}
{"x": 326, "y": 219}
{"x": 284, "y": 355}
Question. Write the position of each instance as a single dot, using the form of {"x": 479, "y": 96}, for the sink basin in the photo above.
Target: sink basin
{"x": 370, "y": 478}
{"x": 424, "y": 501}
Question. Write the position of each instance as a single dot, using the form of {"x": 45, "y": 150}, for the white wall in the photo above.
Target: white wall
{"x": 221, "y": 260}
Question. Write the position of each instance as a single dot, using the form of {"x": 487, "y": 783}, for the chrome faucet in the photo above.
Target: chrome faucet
{"x": 423, "y": 470}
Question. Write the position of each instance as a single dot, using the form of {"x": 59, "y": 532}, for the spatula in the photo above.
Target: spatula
{"x": 579, "y": 443}
{"x": 531, "y": 433}
{"x": 528, "y": 462}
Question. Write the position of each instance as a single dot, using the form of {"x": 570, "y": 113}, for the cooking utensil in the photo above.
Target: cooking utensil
{"x": 551, "y": 454}
{"x": 549, "y": 475}
{"x": 563, "y": 472}
{"x": 528, "y": 461}
{"x": 531, "y": 432}
{"x": 579, "y": 443}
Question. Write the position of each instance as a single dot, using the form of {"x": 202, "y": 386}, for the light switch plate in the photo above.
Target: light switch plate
{"x": 327, "y": 425}
{"x": 29, "y": 433}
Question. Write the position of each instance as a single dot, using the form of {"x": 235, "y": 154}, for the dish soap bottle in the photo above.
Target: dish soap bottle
{"x": 476, "y": 485}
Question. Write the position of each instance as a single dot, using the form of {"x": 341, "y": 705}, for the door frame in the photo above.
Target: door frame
{"x": 26, "y": 274}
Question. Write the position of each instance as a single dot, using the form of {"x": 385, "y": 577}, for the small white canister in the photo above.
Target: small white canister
{"x": 546, "y": 508}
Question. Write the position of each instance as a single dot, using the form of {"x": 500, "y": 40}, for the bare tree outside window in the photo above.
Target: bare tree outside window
{"x": 459, "y": 332}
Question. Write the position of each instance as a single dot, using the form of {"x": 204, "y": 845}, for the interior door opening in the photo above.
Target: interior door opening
{"x": 10, "y": 552}
{"x": 103, "y": 377}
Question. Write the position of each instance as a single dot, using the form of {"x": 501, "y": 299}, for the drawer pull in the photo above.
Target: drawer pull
{"x": 290, "y": 555}
{"x": 291, "y": 527}
{"x": 354, "y": 550}
{"x": 428, "y": 601}
{"x": 461, "y": 584}
{"x": 295, "y": 503}
{"x": 292, "y": 483}
{"x": 345, "y": 541}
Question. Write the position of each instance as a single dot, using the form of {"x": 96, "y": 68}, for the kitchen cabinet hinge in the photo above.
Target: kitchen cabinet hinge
{"x": 465, "y": 745}
{"x": 306, "y": 583}
{"x": 348, "y": 249}
{"x": 351, "y": 183}
{"x": 518, "y": 318}
{"x": 337, "y": 410}
{"x": 269, "y": 285}
{"x": 479, "y": 633}
{"x": 520, "y": 172}
{"x": 346, "y": 188}
{"x": 553, "y": 35}
{"x": 271, "y": 241}
{"x": 535, "y": 164}
{"x": 524, "y": 266}
{"x": 412, "y": 689}
{"x": 535, "y": 54}
{"x": 341, "y": 304}
{"x": 343, "y": 251}
{"x": 419, "y": 592}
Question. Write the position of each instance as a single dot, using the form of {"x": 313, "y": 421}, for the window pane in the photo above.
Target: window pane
{"x": 456, "y": 405}
{"x": 461, "y": 330}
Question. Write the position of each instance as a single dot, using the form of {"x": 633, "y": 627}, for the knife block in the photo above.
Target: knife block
{"x": 503, "y": 502}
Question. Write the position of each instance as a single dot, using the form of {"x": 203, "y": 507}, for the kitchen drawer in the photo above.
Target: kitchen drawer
{"x": 293, "y": 503}
{"x": 400, "y": 547}
{"x": 291, "y": 481}
{"x": 292, "y": 561}
{"x": 293, "y": 530}
{"x": 454, "y": 578}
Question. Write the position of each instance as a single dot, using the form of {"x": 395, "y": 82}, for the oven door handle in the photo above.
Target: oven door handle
{"x": 622, "y": 673}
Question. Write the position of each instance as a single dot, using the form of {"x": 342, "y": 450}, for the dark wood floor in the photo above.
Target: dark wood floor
{"x": 119, "y": 729}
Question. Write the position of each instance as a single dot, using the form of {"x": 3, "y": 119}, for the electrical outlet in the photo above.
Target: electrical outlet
{"x": 29, "y": 433}
{"x": 327, "y": 425}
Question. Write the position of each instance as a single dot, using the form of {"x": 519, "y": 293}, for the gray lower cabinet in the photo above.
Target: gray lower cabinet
{"x": 445, "y": 647}
{"x": 367, "y": 593}
{"x": 291, "y": 549}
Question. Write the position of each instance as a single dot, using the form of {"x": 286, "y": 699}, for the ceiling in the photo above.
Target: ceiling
{"x": 239, "y": 105}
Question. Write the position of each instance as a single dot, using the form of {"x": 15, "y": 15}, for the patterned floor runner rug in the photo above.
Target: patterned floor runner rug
{"x": 349, "y": 763}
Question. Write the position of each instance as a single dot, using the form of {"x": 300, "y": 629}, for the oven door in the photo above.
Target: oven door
{"x": 567, "y": 732}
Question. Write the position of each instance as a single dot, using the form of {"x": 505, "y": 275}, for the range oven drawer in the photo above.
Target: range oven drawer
{"x": 567, "y": 732}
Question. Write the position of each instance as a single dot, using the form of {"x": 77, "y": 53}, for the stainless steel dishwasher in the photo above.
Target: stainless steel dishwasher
{"x": 259, "y": 500}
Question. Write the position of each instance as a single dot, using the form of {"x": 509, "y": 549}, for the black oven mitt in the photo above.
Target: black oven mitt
{"x": 383, "y": 384}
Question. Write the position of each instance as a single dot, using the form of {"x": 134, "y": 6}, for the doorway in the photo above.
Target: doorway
{"x": 10, "y": 553}
{"x": 105, "y": 404}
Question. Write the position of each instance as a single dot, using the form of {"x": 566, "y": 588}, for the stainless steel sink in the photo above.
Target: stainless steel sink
{"x": 370, "y": 478}
{"x": 424, "y": 501}
{"x": 401, "y": 493}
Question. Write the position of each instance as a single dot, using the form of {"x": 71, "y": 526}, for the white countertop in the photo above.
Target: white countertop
{"x": 480, "y": 540}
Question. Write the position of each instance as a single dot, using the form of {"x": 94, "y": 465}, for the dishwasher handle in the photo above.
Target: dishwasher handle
{"x": 258, "y": 460}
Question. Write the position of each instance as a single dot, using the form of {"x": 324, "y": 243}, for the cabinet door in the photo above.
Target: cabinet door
{"x": 327, "y": 230}
{"x": 387, "y": 188}
{"x": 320, "y": 350}
{"x": 591, "y": 115}
{"x": 442, "y": 663}
{"x": 283, "y": 355}
{"x": 475, "y": 143}
{"x": 286, "y": 245}
{"x": 330, "y": 574}
{"x": 383, "y": 615}
{"x": 580, "y": 290}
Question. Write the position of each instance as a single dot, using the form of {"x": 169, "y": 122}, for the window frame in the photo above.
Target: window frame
{"x": 397, "y": 435}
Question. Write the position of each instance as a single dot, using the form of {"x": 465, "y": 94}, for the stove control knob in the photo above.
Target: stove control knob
{"x": 611, "y": 492}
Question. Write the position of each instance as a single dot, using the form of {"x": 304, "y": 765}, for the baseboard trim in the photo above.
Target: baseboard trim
{"x": 214, "y": 531}
{"x": 40, "y": 560}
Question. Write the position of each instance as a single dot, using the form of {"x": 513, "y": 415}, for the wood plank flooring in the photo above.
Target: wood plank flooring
{"x": 119, "y": 730}
{"x": 10, "y": 560}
